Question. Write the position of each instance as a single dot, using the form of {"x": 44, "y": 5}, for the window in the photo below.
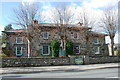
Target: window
{"x": 19, "y": 51}
{"x": 45, "y": 35}
{"x": 77, "y": 49}
{"x": 76, "y": 35}
{"x": 96, "y": 41}
{"x": 19, "y": 40}
{"x": 97, "y": 50}
{"x": 46, "y": 50}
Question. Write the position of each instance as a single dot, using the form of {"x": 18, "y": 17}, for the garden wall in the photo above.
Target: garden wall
{"x": 34, "y": 62}
{"x": 27, "y": 62}
{"x": 103, "y": 59}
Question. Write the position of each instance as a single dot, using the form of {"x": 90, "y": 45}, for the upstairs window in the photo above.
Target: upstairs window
{"x": 96, "y": 41}
{"x": 76, "y": 35}
{"x": 19, "y": 40}
{"x": 46, "y": 50}
{"x": 19, "y": 51}
{"x": 76, "y": 49}
{"x": 45, "y": 35}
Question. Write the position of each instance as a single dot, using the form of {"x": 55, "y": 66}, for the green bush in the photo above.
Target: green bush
{"x": 69, "y": 47}
{"x": 3, "y": 55}
{"x": 55, "y": 48}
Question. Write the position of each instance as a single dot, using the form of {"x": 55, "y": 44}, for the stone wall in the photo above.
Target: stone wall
{"x": 34, "y": 62}
{"x": 110, "y": 59}
{"x": 101, "y": 59}
{"x": 38, "y": 41}
{"x": 27, "y": 62}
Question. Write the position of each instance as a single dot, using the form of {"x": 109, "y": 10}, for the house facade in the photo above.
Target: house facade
{"x": 85, "y": 41}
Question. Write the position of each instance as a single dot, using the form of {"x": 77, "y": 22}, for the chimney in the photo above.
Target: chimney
{"x": 35, "y": 22}
{"x": 79, "y": 23}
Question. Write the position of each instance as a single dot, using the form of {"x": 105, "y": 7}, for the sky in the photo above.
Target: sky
{"x": 7, "y": 7}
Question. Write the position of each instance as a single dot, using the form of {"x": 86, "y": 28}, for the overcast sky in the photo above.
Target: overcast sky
{"x": 95, "y": 6}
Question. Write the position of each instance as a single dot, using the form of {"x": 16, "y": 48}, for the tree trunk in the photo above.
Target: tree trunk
{"x": 87, "y": 47}
{"x": 64, "y": 48}
{"x": 112, "y": 44}
{"x": 28, "y": 48}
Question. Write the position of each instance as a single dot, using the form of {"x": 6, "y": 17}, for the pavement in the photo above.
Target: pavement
{"x": 56, "y": 68}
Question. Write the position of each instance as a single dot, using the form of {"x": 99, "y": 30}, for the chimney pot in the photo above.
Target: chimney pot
{"x": 79, "y": 23}
{"x": 35, "y": 22}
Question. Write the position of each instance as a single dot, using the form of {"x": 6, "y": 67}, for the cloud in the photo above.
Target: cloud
{"x": 99, "y": 3}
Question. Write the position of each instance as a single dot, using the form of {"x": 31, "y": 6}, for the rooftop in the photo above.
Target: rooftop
{"x": 45, "y": 25}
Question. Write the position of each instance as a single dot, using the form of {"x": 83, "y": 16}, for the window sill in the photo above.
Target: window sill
{"x": 97, "y": 53}
{"x": 45, "y": 54}
{"x": 96, "y": 43}
{"x": 19, "y": 43}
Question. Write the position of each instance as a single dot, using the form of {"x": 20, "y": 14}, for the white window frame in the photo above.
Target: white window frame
{"x": 17, "y": 40}
{"x": 47, "y": 35}
{"x": 98, "y": 49}
{"x": 48, "y": 50}
{"x": 97, "y": 41}
{"x": 79, "y": 49}
{"x": 20, "y": 51}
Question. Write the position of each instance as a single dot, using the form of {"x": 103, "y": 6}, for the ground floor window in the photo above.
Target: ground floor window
{"x": 97, "y": 50}
{"x": 46, "y": 50}
{"x": 76, "y": 49}
{"x": 19, "y": 51}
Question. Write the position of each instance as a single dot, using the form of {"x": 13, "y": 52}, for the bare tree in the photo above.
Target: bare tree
{"x": 24, "y": 17}
{"x": 109, "y": 24}
{"x": 87, "y": 19}
{"x": 62, "y": 15}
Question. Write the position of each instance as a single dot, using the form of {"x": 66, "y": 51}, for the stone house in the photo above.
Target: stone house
{"x": 86, "y": 42}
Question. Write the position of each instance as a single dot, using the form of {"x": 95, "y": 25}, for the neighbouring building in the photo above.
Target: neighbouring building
{"x": 117, "y": 46}
{"x": 86, "y": 42}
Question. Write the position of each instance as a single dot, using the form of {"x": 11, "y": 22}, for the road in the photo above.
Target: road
{"x": 96, "y": 73}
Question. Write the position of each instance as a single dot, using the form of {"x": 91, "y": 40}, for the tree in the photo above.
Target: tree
{"x": 55, "y": 48}
{"x": 4, "y": 36}
{"x": 87, "y": 18}
{"x": 69, "y": 47}
{"x": 109, "y": 24}
{"x": 24, "y": 16}
{"x": 62, "y": 15}
{"x": 5, "y": 45}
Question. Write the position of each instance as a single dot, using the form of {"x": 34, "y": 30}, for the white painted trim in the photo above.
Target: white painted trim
{"x": 16, "y": 50}
{"x": 79, "y": 50}
{"x": 97, "y": 41}
{"x": 20, "y": 51}
{"x": 98, "y": 49}
{"x": 48, "y": 50}
{"x": 47, "y": 35}
{"x": 17, "y": 39}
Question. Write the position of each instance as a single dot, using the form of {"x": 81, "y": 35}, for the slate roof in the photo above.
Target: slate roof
{"x": 54, "y": 25}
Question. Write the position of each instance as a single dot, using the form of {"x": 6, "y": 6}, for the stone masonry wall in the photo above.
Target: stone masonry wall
{"x": 38, "y": 42}
{"x": 35, "y": 62}
{"x": 101, "y": 59}
{"x": 27, "y": 62}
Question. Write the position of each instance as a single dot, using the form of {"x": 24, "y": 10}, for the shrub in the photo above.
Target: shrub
{"x": 117, "y": 52}
{"x": 55, "y": 48}
{"x": 69, "y": 47}
{"x": 3, "y": 55}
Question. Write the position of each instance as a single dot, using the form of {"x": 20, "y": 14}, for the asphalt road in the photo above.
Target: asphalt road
{"x": 97, "y": 73}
